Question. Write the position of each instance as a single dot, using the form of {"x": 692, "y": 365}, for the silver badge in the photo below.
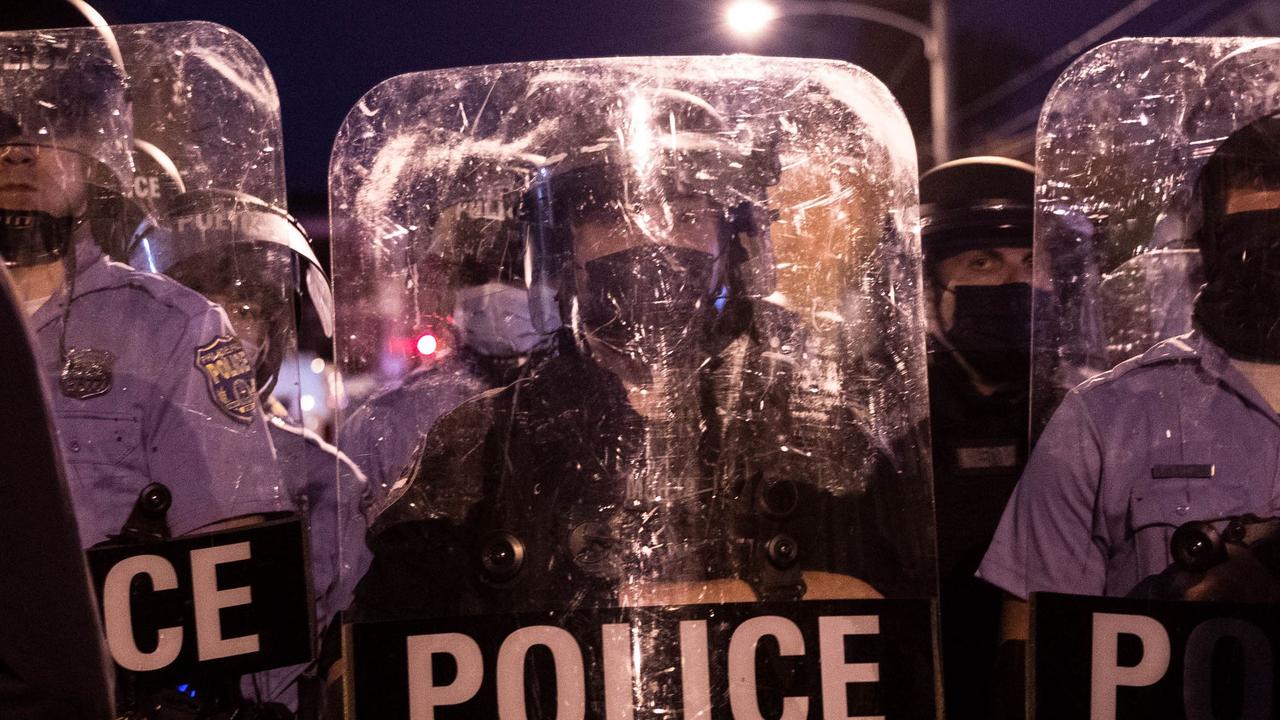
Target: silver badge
{"x": 86, "y": 373}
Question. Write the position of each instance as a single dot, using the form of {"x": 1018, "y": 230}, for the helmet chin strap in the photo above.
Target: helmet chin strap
{"x": 29, "y": 238}
{"x": 939, "y": 336}
{"x": 33, "y": 237}
{"x": 982, "y": 384}
{"x": 69, "y": 279}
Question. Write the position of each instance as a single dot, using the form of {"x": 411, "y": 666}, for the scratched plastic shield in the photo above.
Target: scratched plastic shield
{"x": 626, "y": 323}
{"x": 95, "y": 94}
{"x": 632, "y": 333}
{"x": 208, "y": 150}
{"x": 1122, "y": 138}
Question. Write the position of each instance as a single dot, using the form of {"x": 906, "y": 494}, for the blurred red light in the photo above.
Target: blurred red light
{"x": 426, "y": 344}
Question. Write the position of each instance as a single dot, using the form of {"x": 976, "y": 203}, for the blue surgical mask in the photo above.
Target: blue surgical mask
{"x": 494, "y": 320}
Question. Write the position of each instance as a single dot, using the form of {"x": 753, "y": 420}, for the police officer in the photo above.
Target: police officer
{"x": 149, "y": 383}
{"x": 657, "y": 452}
{"x": 1175, "y": 434}
{"x": 976, "y": 230}
{"x": 251, "y": 258}
{"x": 477, "y": 318}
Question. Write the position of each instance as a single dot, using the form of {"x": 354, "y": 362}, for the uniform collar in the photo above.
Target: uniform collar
{"x": 1214, "y": 360}
{"x": 91, "y": 274}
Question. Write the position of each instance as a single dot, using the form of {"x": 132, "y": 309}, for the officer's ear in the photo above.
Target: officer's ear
{"x": 933, "y": 285}
{"x": 933, "y": 289}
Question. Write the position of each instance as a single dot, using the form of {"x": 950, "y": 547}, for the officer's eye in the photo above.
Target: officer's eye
{"x": 983, "y": 263}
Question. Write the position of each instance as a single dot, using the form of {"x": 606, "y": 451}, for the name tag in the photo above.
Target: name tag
{"x": 991, "y": 457}
{"x": 1165, "y": 472}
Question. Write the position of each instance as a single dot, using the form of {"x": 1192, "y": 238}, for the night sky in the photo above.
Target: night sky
{"x": 325, "y": 54}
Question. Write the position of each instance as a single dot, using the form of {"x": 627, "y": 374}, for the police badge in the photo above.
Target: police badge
{"x": 86, "y": 373}
{"x": 226, "y": 366}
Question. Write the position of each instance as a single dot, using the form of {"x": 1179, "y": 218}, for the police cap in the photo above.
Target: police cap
{"x": 976, "y": 202}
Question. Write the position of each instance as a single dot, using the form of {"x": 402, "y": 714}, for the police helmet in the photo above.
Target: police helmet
{"x": 232, "y": 244}
{"x": 632, "y": 154}
{"x": 1235, "y": 90}
{"x": 64, "y": 90}
{"x": 1249, "y": 159}
{"x": 974, "y": 203}
{"x": 1239, "y": 302}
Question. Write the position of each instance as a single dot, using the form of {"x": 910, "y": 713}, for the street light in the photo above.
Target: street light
{"x": 750, "y": 17}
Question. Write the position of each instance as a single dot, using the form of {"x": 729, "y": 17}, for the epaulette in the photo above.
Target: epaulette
{"x": 1174, "y": 350}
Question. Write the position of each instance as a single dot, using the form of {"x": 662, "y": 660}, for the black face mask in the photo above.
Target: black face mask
{"x": 648, "y": 301}
{"x": 992, "y": 330}
{"x": 1239, "y": 306}
{"x": 31, "y": 237}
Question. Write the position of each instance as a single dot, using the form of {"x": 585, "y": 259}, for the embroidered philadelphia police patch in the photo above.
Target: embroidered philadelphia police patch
{"x": 226, "y": 366}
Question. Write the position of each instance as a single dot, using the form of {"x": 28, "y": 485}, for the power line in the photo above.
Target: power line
{"x": 1014, "y": 130}
{"x": 1029, "y": 117}
{"x": 899, "y": 73}
{"x": 1062, "y": 56}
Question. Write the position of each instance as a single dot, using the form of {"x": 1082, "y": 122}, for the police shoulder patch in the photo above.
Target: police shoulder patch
{"x": 229, "y": 373}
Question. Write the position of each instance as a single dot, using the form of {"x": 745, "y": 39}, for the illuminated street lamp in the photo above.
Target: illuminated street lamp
{"x": 750, "y": 17}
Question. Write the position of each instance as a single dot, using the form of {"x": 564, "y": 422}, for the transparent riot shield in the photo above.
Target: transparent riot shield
{"x": 1122, "y": 139}
{"x": 122, "y": 350}
{"x": 1159, "y": 186}
{"x": 160, "y": 386}
{"x": 208, "y": 154}
{"x": 645, "y": 346}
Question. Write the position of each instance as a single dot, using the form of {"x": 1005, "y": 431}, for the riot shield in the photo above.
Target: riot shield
{"x": 1122, "y": 139}
{"x": 649, "y": 351}
{"x": 159, "y": 382}
{"x": 132, "y": 402}
{"x": 52, "y": 661}
{"x": 1159, "y": 185}
{"x": 208, "y": 152}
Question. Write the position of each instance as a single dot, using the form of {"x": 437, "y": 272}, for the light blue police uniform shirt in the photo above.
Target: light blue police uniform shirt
{"x": 1090, "y": 514}
{"x": 381, "y": 434}
{"x": 160, "y": 421}
{"x": 334, "y": 495}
